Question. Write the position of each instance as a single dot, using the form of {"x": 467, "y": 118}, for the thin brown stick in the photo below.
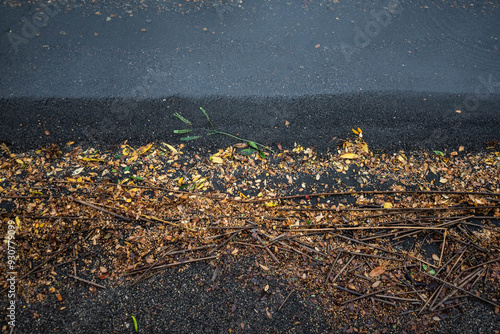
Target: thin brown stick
{"x": 225, "y": 241}
{"x": 441, "y": 208}
{"x": 74, "y": 261}
{"x": 333, "y": 265}
{"x": 364, "y": 296}
{"x": 286, "y": 299}
{"x": 98, "y": 208}
{"x": 150, "y": 188}
{"x": 144, "y": 273}
{"x": 376, "y": 256}
{"x": 359, "y": 294}
{"x": 85, "y": 281}
{"x": 452, "y": 293}
{"x": 184, "y": 262}
{"x": 370, "y": 193}
{"x": 463, "y": 290}
{"x": 343, "y": 268}
{"x": 442, "y": 249}
{"x": 167, "y": 222}
{"x": 398, "y": 298}
{"x": 482, "y": 264}
{"x": 255, "y": 235}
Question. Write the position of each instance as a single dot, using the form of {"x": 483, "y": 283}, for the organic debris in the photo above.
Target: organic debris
{"x": 361, "y": 236}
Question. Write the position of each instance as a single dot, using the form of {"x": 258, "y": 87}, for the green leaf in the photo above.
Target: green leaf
{"x": 183, "y": 186}
{"x": 425, "y": 267}
{"x": 182, "y": 118}
{"x": 118, "y": 156}
{"x": 208, "y": 118}
{"x": 137, "y": 178}
{"x": 113, "y": 170}
{"x": 262, "y": 155}
{"x": 253, "y": 145}
{"x": 247, "y": 151}
{"x": 126, "y": 169}
{"x": 432, "y": 272}
{"x": 135, "y": 323}
{"x": 439, "y": 153}
{"x": 190, "y": 138}
{"x": 183, "y": 131}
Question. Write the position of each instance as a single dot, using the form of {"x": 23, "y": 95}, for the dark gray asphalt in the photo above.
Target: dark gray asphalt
{"x": 263, "y": 48}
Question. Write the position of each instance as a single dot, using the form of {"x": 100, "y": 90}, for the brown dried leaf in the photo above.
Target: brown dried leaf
{"x": 103, "y": 276}
{"x": 377, "y": 271}
{"x": 263, "y": 267}
{"x": 269, "y": 315}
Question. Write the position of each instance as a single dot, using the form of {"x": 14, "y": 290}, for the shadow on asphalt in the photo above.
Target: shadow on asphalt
{"x": 390, "y": 121}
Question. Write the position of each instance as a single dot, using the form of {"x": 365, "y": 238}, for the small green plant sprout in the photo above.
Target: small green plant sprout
{"x": 253, "y": 147}
{"x": 135, "y": 323}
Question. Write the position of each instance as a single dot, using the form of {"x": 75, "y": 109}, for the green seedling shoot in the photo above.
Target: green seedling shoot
{"x": 135, "y": 323}
{"x": 254, "y": 147}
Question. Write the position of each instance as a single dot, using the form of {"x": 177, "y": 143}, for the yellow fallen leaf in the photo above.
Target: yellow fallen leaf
{"x": 92, "y": 159}
{"x": 59, "y": 297}
{"x": 443, "y": 180}
{"x": 126, "y": 151}
{"x": 387, "y": 205}
{"x": 349, "y": 156}
{"x": 216, "y": 160}
{"x": 200, "y": 183}
{"x": 144, "y": 149}
{"x": 271, "y": 204}
{"x": 70, "y": 143}
{"x": 171, "y": 148}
